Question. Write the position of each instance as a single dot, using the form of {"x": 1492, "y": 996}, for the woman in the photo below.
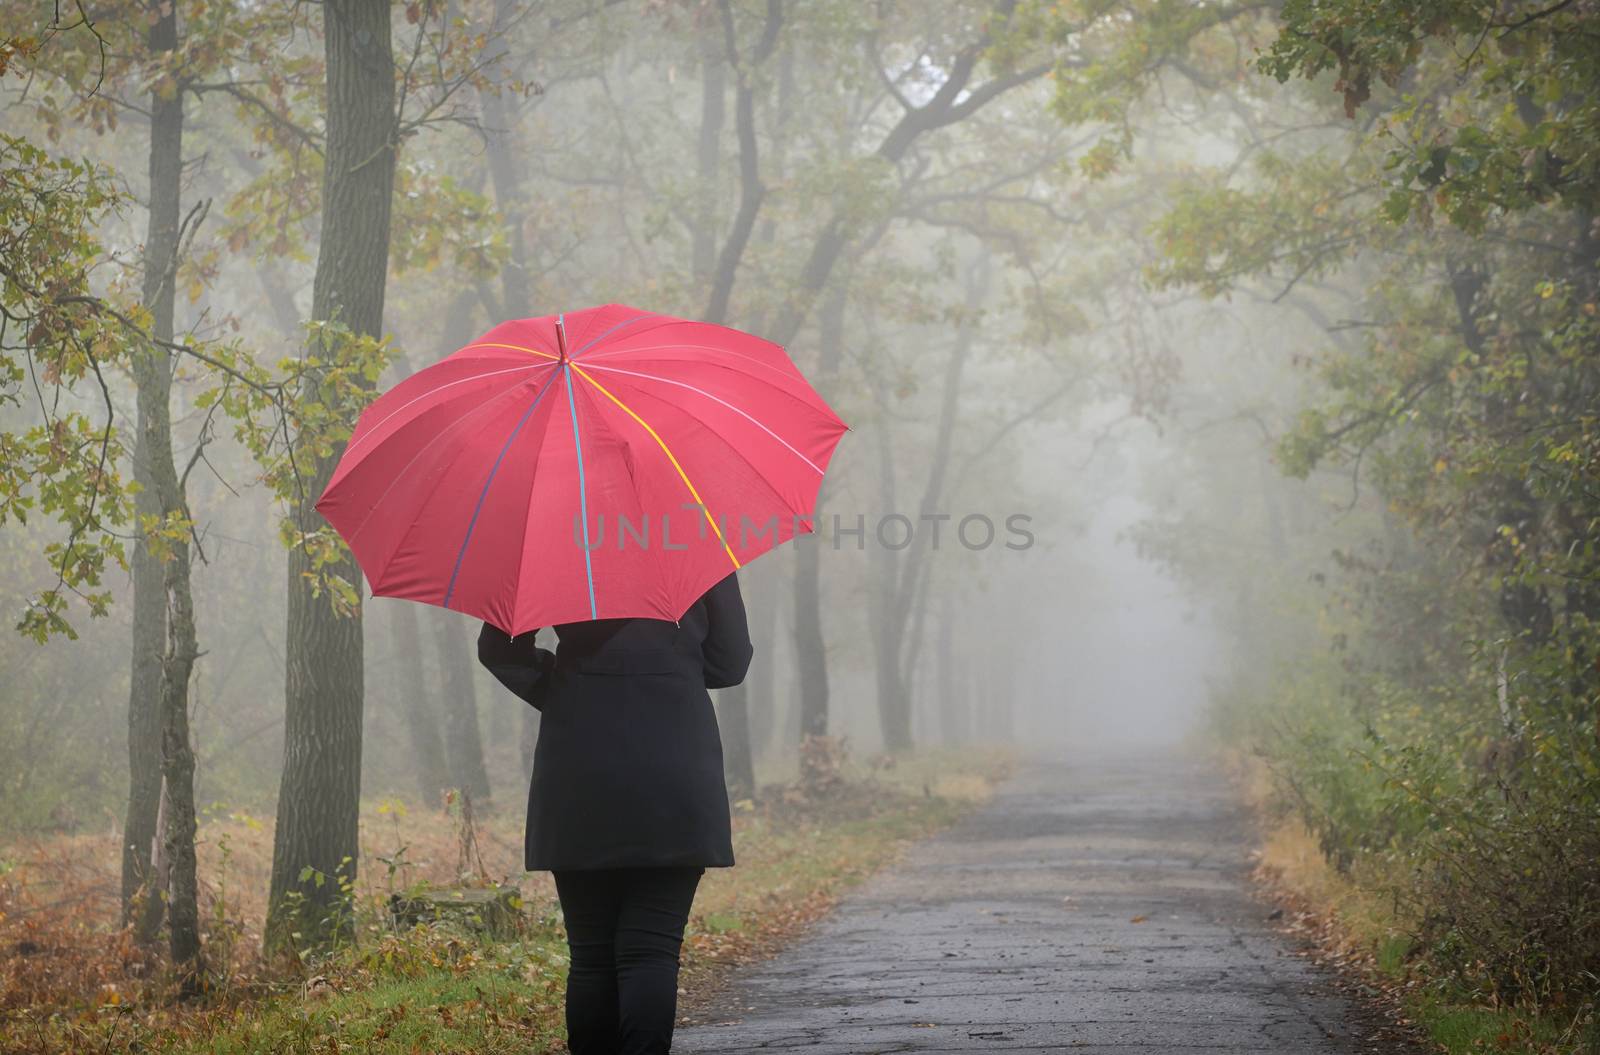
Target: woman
{"x": 627, "y": 806}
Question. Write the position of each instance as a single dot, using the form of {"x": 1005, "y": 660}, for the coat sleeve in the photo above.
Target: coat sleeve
{"x": 516, "y": 663}
{"x": 726, "y": 649}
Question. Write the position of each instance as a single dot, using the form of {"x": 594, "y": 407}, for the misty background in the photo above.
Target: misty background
{"x": 1277, "y": 323}
{"x": 989, "y": 243}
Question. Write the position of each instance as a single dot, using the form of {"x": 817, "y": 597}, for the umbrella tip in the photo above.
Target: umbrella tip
{"x": 561, "y": 335}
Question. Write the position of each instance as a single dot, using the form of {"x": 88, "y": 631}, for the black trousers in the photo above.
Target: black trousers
{"x": 624, "y": 930}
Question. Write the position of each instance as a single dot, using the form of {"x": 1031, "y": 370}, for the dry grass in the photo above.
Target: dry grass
{"x": 62, "y": 945}
{"x": 1293, "y": 863}
{"x": 72, "y": 980}
{"x": 1353, "y": 924}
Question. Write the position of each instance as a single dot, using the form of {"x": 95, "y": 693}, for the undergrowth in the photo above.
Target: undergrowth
{"x": 74, "y": 981}
{"x": 1452, "y": 861}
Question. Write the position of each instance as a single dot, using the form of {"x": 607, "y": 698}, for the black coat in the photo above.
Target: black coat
{"x": 628, "y": 768}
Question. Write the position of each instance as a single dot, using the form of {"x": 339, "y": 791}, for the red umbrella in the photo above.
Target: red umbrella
{"x": 603, "y": 463}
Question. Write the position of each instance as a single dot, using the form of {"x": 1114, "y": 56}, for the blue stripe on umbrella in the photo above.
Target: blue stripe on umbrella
{"x": 583, "y": 494}
{"x": 614, "y": 329}
{"x": 526, "y": 414}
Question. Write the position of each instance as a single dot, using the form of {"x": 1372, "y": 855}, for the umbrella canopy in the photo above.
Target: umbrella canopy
{"x": 603, "y": 463}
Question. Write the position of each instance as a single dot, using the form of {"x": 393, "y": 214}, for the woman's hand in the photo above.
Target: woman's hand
{"x": 517, "y": 663}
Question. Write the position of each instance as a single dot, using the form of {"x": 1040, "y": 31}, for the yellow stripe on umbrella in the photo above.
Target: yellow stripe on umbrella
{"x": 511, "y": 347}
{"x": 665, "y": 450}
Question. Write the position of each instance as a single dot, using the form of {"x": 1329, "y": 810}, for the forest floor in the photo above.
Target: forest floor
{"x": 72, "y": 981}
{"x": 1098, "y": 904}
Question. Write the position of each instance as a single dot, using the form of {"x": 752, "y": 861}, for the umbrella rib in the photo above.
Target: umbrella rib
{"x": 670, "y": 457}
{"x": 438, "y": 436}
{"x": 719, "y": 399}
{"x": 583, "y": 491}
{"x": 484, "y": 494}
{"x": 808, "y": 398}
{"x": 738, "y": 451}
{"x": 536, "y": 456}
{"x": 512, "y": 347}
{"x": 787, "y": 375}
{"x": 625, "y": 322}
{"x": 434, "y": 391}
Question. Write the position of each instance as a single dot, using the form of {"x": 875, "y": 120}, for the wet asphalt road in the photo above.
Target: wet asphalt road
{"x": 1093, "y": 906}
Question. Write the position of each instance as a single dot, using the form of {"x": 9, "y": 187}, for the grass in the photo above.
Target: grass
{"x": 414, "y": 992}
{"x": 1355, "y": 924}
{"x": 73, "y": 982}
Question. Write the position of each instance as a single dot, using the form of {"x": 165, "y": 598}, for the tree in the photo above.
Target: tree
{"x": 80, "y": 60}
{"x": 63, "y": 463}
{"x": 899, "y": 599}
{"x": 1458, "y": 384}
{"x": 67, "y": 467}
{"x": 992, "y": 32}
{"x": 315, "y": 843}
{"x": 463, "y": 741}
{"x": 739, "y": 760}
{"x": 296, "y": 416}
{"x": 155, "y": 468}
{"x": 408, "y": 689}
{"x": 161, "y": 759}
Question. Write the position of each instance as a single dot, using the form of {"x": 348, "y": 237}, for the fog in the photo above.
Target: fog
{"x": 982, "y": 269}
{"x": 1131, "y": 655}
{"x": 1212, "y": 383}
{"x": 992, "y": 290}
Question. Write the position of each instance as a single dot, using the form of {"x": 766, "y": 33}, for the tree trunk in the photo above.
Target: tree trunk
{"x": 886, "y": 609}
{"x": 463, "y": 743}
{"x": 766, "y": 717}
{"x": 417, "y": 711}
{"x": 763, "y": 669}
{"x": 949, "y": 696}
{"x": 708, "y": 156}
{"x": 314, "y": 847}
{"x": 144, "y": 711}
{"x": 179, "y": 650}
{"x": 177, "y": 760}
{"x": 1005, "y": 689}
{"x": 505, "y": 173}
{"x": 733, "y": 703}
{"x": 894, "y": 702}
{"x": 751, "y": 190}
{"x": 811, "y": 657}
{"x": 962, "y": 669}
{"x": 903, "y": 575}
{"x": 810, "y": 654}
{"x": 738, "y": 767}
{"x": 141, "y": 902}
{"x": 158, "y": 736}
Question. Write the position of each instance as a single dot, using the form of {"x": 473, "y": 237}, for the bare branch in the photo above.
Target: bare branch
{"x": 305, "y": 136}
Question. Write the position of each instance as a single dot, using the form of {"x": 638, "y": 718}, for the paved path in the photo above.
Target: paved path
{"x": 1095, "y": 906}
